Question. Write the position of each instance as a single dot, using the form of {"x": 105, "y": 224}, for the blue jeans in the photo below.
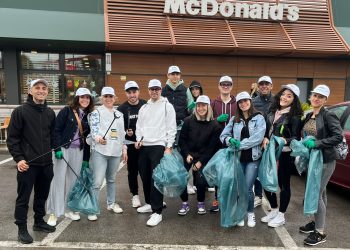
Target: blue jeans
{"x": 105, "y": 167}
{"x": 250, "y": 170}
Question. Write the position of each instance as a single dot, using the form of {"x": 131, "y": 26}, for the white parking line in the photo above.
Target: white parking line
{"x": 7, "y": 160}
{"x": 51, "y": 237}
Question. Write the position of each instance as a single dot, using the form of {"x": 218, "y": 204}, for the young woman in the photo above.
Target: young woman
{"x": 107, "y": 131}
{"x": 76, "y": 153}
{"x": 325, "y": 127}
{"x": 254, "y": 90}
{"x": 198, "y": 142}
{"x": 196, "y": 89}
{"x": 246, "y": 131}
{"x": 284, "y": 120}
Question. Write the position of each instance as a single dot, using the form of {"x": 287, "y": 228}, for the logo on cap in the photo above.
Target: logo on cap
{"x": 174, "y": 69}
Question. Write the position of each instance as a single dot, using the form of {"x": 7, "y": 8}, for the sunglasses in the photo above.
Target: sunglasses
{"x": 154, "y": 89}
{"x": 225, "y": 84}
{"x": 175, "y": 73}
{"x": 264, "y": 83}
{"x": 108, "y": 96}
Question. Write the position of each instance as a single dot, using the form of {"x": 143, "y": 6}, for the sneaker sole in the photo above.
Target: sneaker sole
{"x": 214, "y": 210}
{"x": 276, "y": 225}
{"x": 314, "y": 244}
{"x": 305, "y": 232}
{"x": 39, "y": 229}
{"x": 24, "y": 242}
{"x": 201, "y": 213}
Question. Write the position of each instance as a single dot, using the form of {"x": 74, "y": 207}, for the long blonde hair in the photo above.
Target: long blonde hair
{"x": 208, "y": 117}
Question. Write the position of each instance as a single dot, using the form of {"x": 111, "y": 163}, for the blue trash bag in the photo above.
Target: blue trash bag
{"x": 170, "y": 176}
{"x": 301, "y": 153}
{"x": 82, "y": 198}
{"x": 268, "y": 165}
{"x": 224, "y": 170}
{"x": 313, "y": 183}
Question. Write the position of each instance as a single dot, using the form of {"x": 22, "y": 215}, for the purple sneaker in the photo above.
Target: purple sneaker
{"x": 184, "y": 209}
{"x": 201, "y": 208}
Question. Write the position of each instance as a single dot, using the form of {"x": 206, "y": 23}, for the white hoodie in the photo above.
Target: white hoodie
{"x": 156, "y": 123}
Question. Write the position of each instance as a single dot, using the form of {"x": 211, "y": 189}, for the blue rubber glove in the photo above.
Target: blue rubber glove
{"x": 310, "y": 144}
{"x": 85, "y": 164}
{"x": 222, "y": 118}
{"x": 59, "y": 155}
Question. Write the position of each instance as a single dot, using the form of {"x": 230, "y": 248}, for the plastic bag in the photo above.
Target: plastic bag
{"x": 268, "y": 166}
{"x": 224, "y": 170}
{"x": 170, "y": 176}
{"x": 82, "y": 198}
{"x": 301, "y": 153}
{"x": 313, "y": 183}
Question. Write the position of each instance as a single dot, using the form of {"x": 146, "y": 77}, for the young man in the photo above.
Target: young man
{"x": 130, "y": 110}
{"x": 30, "y": 138}
{"x": 178, "y": 95}
{"x": 224, "y": 107}
{"x": 262, "y": 103}
{"x": 155, "y": 136}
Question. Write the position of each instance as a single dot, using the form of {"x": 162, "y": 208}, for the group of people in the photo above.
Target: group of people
{"x": 140, "y": 132}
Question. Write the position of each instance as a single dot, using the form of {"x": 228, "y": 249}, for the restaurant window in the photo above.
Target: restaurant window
{"x": 64, "y": 72}
{"x": 2, "y": 82}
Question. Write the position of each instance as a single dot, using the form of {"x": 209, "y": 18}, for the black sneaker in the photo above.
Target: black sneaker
{"x": 23, "y": 235}
{"x": 308, "y": 228}
{"x": 43, "y": 227}
{"x": 315, "y": 238}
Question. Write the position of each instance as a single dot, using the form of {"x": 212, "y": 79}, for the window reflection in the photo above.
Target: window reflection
{"x": 43, "y": 61}
{"x": 83, "y": 62}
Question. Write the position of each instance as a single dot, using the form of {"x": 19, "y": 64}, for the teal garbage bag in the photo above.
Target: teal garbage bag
{"x": 301, "y": 153}
{"x": 268, "y": 165}
{"x": 224, "y": 170}
{"x": 170, "y": 176}
{"x": 82, "y": 198}
{"x": 313, "y": 183}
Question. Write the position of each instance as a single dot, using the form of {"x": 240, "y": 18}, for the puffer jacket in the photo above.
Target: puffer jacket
{"x": 30, "y": 133}
{"x": 329, "y": 133}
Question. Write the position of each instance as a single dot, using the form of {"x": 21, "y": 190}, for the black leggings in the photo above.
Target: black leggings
{"x": 285, "y": 168}
{"x": 201, "y": 184}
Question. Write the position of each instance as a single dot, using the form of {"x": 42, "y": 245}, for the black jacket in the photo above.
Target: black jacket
{"x": 262, "y": 103}
{"x": 131, "y": 113}
{"x": 65, "y": 127}
{"x": 291, "y": 127}
{"x": 178, "y": 98}
{"x": 199, "y": 139}
{"x": 30, "y": 133}
{"x": 329, "y": 133}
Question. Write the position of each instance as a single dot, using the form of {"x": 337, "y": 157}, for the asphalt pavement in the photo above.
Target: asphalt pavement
{"x": 129, "y": 231}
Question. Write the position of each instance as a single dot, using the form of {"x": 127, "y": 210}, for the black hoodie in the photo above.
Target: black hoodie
{"x": 197, "y": 84}
{"x": 30, "y": 133}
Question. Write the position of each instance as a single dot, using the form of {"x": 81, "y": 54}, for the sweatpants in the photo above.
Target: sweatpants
{"x": 285, "y": 168}
{"x": 133, "y": 169}
{"x": 201, "y": 184}
{"x": 320, "y": 216}
{"x": 40, "y": 178}
{"x": 63, "y": 180}
{"x": 149, "y": 158}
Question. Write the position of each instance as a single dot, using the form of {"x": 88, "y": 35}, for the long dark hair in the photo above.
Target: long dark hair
{"x": 239, "y": 114}
{"x": 295, "y": 107}
{"x": 75, "y": 104}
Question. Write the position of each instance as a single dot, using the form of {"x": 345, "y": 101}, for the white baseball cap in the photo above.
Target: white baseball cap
{"x": 131, "y": 84}
{"x": 32, "y": 83}
{"x": 154, "y": 83}
{"x": 173, "y": 69}
{"x": 203, "y": 99}
{"x": 243, "y": 95}
{"x": 82, "y": 91}
{"x": 292, "y": 87}
{"x": 226, "y": 79}
{"x": 322, "y": 90}
{"x": 107, "y": 91}
{"x": 265, "y": 79}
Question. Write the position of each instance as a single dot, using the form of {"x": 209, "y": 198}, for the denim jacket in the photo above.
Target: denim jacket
{"x": 256, "y": 127}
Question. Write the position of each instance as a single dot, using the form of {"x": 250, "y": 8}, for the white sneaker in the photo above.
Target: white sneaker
{"x": 115, "y": 207}
{"x": 72, "y": 215}
{"x": 52, "y": 221}
{"x": 270, "y": 216}
{"x": 241, "y": 223}
{"x": 136, "y": 201}
{"x": 277, "y": 221}
{"x": 257, "y": 201}
{"x": 92, "y": 217}
{"x": 145, "y": 209}
{"x": 212, "y": 189}
{"x": 154, "y": 220}
{"x": 190, "y": 189}
{"x": 251, "y": 220}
